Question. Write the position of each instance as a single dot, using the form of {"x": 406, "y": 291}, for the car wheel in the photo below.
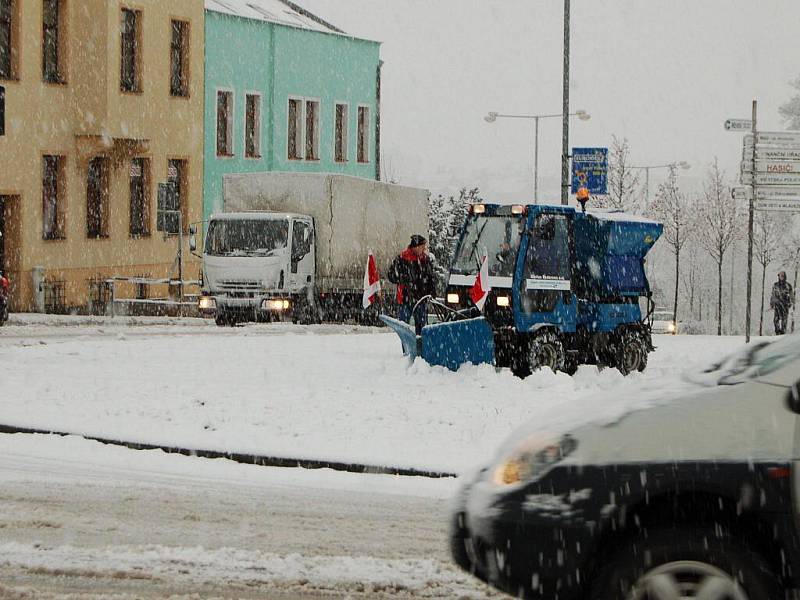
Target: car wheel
{"x": 631, "y": 353}
{"x": 546, "y": 350}
{"x": 685, "y": 563}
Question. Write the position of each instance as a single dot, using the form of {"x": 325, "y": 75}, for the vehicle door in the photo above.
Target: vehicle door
{"x": 545, "y": 289}
{"x": 301, "y": 269}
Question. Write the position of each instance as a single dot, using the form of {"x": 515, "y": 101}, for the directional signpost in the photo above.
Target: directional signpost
{"x": 770, "y": 174}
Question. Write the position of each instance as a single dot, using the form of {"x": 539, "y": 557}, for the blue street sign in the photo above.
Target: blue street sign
{"x": 590, "y": 170}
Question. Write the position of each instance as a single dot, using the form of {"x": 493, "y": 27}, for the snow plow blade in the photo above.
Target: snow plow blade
{"x": 449, "y": 344}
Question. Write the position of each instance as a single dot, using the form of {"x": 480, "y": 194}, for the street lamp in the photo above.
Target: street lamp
{"x": 682, "y": 164}
{"x": 492, "y": 116}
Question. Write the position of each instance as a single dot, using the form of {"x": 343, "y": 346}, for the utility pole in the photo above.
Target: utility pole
{"x": 565, "y": 113}
{"x": 750, "y": 233}
{"x": 730, "y": 307}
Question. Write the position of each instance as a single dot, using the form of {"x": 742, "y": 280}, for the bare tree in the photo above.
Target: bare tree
{"x": 790, "y": 110}
{"x": 622, "y": 179}
{"x": 671, "y": 206}
{"x": 692, "y": 280}
{"x": 769, "y": 235}
{"x": 718, "y": 225}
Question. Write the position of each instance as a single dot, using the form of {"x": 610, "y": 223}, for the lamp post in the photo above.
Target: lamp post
{"x": 492, "y": 116}
{"x": 682, "y": 164}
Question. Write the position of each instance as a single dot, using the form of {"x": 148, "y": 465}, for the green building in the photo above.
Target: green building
{"x": 286, "y": 91}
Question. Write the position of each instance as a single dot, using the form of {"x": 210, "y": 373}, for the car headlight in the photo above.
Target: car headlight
{"x": 531, "y": 459}
{"x": 275, "y": 304}
{"x": 671, "y": 327}
{"x": 503, "y": 301}
{"x": 206, "y": 303}
{"x": 452, "y": 298}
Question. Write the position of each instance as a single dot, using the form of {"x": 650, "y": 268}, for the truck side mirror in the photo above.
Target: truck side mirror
{"x": 793, "y": 398}
{"x": 192, "y": 241}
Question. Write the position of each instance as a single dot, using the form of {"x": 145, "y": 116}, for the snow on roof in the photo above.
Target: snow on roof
{"x": 274, "y": 11}
{"x": 618, "y": 215}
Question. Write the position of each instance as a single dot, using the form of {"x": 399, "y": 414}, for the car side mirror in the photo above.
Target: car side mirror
{"x": 793, "y": 398}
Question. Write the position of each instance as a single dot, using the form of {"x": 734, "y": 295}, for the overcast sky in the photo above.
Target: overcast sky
{"x": 665, "y": 74}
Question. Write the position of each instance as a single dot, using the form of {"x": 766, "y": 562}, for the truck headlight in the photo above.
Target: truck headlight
{"x": 503, "y": 301}
{"x": 206, "y": 303}
{"x": 275, "y": 304}
{"x": 452, "y": 298}
{"x": 671, "y": 327}
{"x": 531, "y": 459}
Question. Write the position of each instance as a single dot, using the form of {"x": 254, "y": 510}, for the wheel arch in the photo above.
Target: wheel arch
{"x": 704, "y": 508}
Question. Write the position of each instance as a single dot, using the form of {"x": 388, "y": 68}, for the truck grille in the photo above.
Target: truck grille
{"x": 239, "y": 285}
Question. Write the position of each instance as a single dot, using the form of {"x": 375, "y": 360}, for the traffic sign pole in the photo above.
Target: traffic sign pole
{"x": 750, "y": 236}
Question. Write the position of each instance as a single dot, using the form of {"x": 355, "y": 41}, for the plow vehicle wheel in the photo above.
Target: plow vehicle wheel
{"x": 631, "y": 353}
{"x": 546, "y": 350}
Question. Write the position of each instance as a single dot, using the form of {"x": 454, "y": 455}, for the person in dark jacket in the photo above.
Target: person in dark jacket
{"x": 780, "y": 302}
{"x": 412, "y": 271}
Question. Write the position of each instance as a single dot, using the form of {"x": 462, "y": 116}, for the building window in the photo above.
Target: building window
{"x": 179, "y": 59}
{"x": 171, "y": 208}
{"x": 8, "y": 39}
{"x": 2, "y": 110}
{"x": 340, "y": 143}
{"x": 252, "y": 126}
{"x": 363, "y": 134}
{"x": 224, "y": 123}
{"x": 295, "y": 127}
{"x": 140, "y": 197}
{"x": 52, "y": 209}
{"x": 312, "y": 130}
{"x": 97, "y": 198}
{"x": 52, "y": 41}
{"x": 130, "y": 44}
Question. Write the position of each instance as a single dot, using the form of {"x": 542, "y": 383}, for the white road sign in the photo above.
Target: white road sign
{"x": 771, "y": 153}
{"x": 771, "y": 166}
{"x": 778, "y": 205}
{"x": 771, "y": 178}
{"x": 777, "y": 193}
{"x": 738, "y": 125}
{"x": 741, "y": 193}
{"x": 778, "y": 137}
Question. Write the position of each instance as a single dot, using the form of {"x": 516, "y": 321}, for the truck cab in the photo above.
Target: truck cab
{"x": 257, "y": 266}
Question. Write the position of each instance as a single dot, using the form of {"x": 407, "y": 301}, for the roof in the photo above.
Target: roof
{"x": 282, "y": 12}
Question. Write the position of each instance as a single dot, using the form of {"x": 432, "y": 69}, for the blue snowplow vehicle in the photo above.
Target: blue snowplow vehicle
{"x": 565, "y": 290}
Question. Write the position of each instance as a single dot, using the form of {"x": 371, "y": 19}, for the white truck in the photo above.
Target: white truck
{"x": 295, "y": 245}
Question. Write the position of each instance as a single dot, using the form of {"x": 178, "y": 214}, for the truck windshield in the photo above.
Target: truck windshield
{"x": 494, "y": 236}
{"x": 246, "y": 237}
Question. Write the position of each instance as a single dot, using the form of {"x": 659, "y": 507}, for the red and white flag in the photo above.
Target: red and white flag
{"x": 481, "y": 288}
{"x": 372, "y": 282}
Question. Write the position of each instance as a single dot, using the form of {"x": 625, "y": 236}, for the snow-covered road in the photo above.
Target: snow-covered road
{"x": 82, "y": 520}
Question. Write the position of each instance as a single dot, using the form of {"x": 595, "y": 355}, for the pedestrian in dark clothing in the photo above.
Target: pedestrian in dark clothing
{"x": 780, "y": 302}
{"x": 412, "y": 271}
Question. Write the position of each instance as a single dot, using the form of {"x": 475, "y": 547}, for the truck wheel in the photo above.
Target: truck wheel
{"x": 224, "y": 320}
{"x": 631, "y": 353}
{"x": 546, "y": 350}
{"x": 685, "y": 563}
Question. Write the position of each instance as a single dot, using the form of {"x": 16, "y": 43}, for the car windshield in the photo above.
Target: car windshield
{"x": 494, "y": 236}
{"x": 246, "y": 237}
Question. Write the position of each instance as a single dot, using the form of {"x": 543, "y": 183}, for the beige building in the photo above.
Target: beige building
{"x": 100, "y": 102}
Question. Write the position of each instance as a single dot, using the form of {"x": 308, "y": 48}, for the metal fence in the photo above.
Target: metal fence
{"x": 182, "y": 302}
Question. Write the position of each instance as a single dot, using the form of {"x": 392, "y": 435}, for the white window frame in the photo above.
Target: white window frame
{"x": 317, "y": 128}
{"x": 258, "y": 125}
{"x": 300, "y": 131}
{"x": 231, "y": 121}
{"x": 345, "y": 132}
{"x": 367, "y": 130}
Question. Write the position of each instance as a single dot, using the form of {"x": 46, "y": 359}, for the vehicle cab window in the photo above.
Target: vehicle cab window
{"x": 547, "y": 263}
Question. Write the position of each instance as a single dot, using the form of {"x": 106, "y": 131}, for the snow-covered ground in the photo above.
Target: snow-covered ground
{"x": 317, "y": 392}
{"x": 80, "y": 519}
